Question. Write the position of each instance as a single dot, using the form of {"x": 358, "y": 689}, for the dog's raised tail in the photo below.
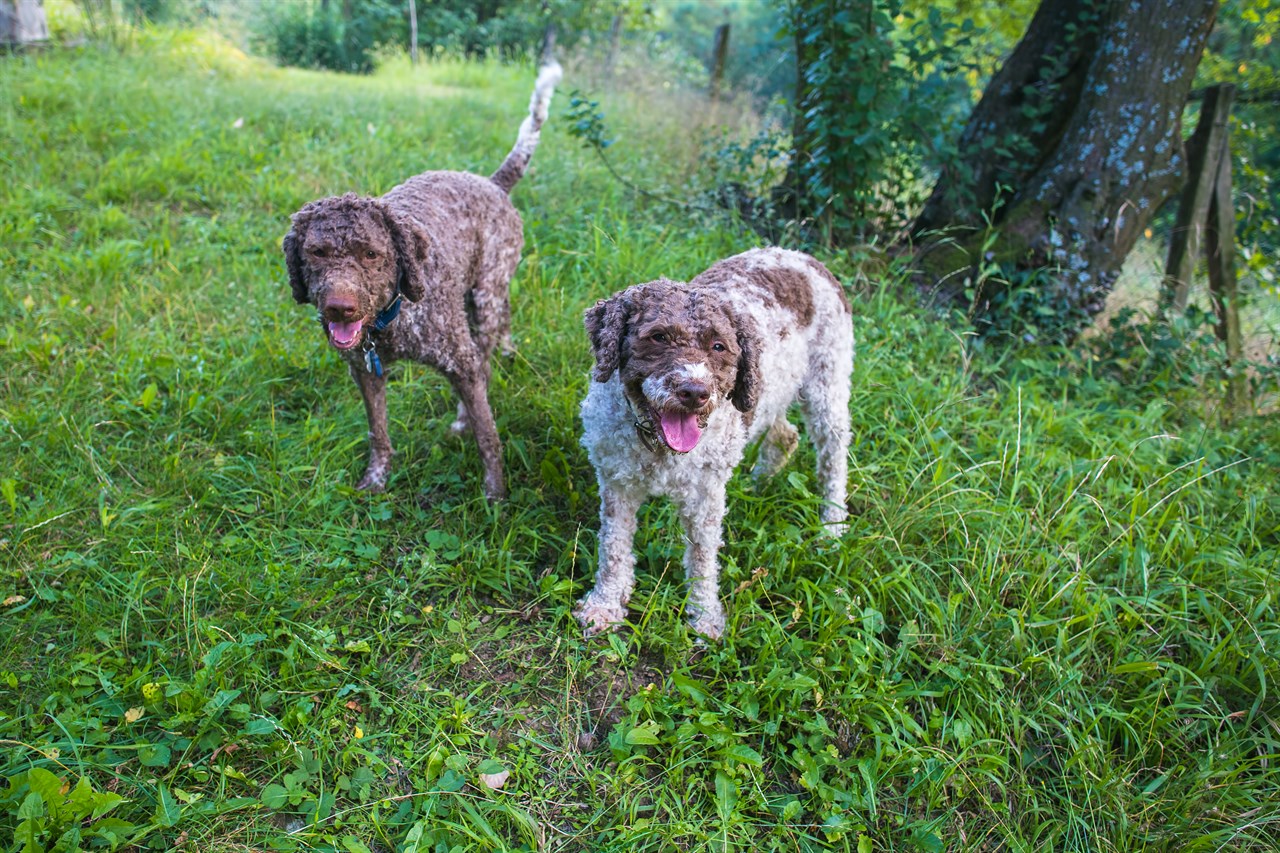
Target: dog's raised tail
{"x": 513, "y": 168}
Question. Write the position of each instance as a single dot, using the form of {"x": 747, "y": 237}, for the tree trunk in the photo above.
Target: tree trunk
{"x": 22, "y": 22}
{"x": 1075, "y": 144}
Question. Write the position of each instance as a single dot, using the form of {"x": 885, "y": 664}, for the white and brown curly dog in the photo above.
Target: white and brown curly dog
{"x": 686, "y": 375}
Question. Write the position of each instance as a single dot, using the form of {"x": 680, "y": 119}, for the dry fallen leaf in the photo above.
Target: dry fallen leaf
{"x": 133, "y": 714}
{"x": 494, "y": 781}
{"x": 14, "y": 599}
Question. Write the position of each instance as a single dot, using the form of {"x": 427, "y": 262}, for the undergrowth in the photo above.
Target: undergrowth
{"x": 1051, "y": 626}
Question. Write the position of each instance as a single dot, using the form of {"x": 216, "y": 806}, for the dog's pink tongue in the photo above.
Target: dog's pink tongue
{"x": 344, "y": 333}
{"x": 681, "y": 431}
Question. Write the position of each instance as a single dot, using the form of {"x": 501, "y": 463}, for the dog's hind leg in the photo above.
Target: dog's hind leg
{"x": 775, "y": 448}
{"x": 491, "y": 299}
{"x": 825, "y": 403}
{"x": 473, "y": 395}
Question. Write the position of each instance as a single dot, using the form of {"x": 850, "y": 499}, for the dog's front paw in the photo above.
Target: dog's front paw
{"x": 597, "y": 618}
{"x": 835, "y": 521}
{"x": 495, "y": 488}
{"x": 373, "y": 482}
{"x": 707, "y": 624}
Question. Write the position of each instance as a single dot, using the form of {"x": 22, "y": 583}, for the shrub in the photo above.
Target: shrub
{"x": 307, "y": 36}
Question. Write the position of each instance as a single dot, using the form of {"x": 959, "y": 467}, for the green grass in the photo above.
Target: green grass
{"x": 1052, "y": 626}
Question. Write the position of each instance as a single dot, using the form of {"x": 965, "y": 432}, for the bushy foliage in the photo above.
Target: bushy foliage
{"x": 878, "y": 94}
{"x": 458, "y": 27}
{"x": 41, "y": 811}
{"x": 308, "y": 35}
{"x": 515, "y": 28}
{"x": 1177, "y": 358}
{"x": 759, "y": 60}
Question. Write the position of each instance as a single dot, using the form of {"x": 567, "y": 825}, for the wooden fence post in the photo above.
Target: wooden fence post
{"x": 719, "y": 53}
{"x": 413, "y": 32}
{"x": 1203, "y": 151}
{"x": 615, "y": 40}
{"x": 1220, "y": 250}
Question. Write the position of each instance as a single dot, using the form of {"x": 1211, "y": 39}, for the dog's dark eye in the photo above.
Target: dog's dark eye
{"x": 320, "y": 252}
{"x": 658, "y": 337}
{"x": 717, "y": 347}
{"x": 370, "y": 254}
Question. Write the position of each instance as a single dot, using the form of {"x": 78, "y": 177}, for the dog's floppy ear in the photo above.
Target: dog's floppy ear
{"x": 746, "y": 387}
{"x": 411, "y": 254}
{"x": 606, "y": 323}
{"x": 292, "y": 246}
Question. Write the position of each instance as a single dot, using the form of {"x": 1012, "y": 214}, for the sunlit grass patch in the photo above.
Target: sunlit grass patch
{"x": 1052, "y": 624}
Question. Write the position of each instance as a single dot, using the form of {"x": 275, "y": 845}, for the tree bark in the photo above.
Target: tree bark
{"x": 1075, "y": 144}
{"x": 23, "y": 22}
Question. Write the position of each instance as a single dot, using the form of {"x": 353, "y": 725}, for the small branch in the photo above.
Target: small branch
{"x": 636, "y": 188}
{"x": 1245, "y": 96}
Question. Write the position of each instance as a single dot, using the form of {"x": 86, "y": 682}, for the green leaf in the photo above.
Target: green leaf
{"x": 104, "y": 802}
{"x": 46, "y": 784}
{"x": 413, "y": 841}
{"x": 726, "y": 794}
{"x": 168, "y": 811}
{"x": 148, "y": 396}
{"x": 274, "y": 796}
{"x": 641, "y": 736}
{"x": 451, "y": 780}
{"x": 354, "y": 845}
{"x": 695, "y": 690}
{"x": 799, "y": 682}
{"x": 1137, "y": 666}
{"x": 746, "y": 755}
{"x": 260, "y": 726}
{"x": 32, "y": 806}
{"x": 154, "y": 755}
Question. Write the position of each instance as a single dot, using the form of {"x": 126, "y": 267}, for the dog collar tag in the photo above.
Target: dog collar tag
{"x": 372, "y": 363}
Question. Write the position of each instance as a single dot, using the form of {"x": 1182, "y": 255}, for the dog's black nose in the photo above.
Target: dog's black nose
{"x": 340, "y": 309}
{"x": 693, "y": 394}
